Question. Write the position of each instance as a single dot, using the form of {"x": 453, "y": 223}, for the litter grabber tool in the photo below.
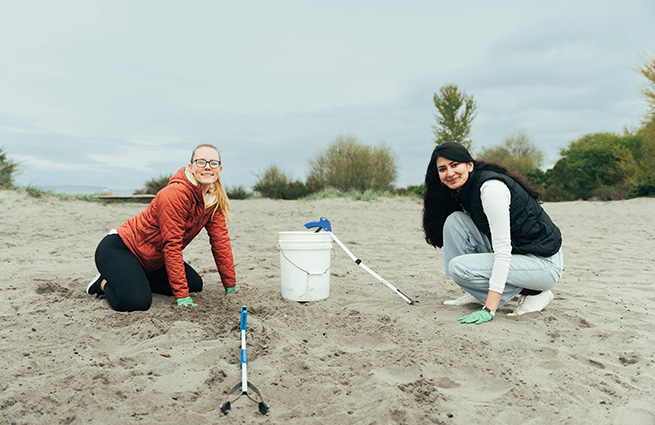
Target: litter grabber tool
{"x": 324, "y": 223}
{"x": 244, "y": 384}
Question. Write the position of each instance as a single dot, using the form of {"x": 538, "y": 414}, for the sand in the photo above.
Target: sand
{"x": 362, "y": 355}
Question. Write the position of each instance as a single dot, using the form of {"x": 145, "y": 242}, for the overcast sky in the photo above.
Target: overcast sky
{"x": 113, "y": 93}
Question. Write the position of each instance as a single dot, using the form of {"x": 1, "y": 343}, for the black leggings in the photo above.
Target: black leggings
{"x": 128, "y": 286}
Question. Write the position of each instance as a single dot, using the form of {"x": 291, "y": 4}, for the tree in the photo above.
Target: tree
{"x": 606, "y": 165}
{"x": 455, "y": 113}
{"x": 349, "y": 165}
{"x": 600, "y": 165}
{"x": 7, "y": 170}
{"x": 646, "y": 155}
{"x": 517, "y": 153}
{"x": 648, "y": 71}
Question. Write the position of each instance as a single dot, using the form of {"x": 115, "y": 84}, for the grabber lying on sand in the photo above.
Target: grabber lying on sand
{"x": 324, "y": 224}
{"x": 244, "y": 384}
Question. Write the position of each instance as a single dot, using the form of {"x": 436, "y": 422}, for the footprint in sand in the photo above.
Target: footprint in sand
{"x": 367, "y": 341}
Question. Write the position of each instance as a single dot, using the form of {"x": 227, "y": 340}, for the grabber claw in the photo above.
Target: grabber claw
{"x": 263, "y": 407}
{"x": 244, "y": 384}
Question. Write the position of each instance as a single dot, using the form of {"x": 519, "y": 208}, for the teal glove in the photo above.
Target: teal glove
{"x": 477, "y": 317}
{"x": 186, "y": 301}
{"x": 231, "y": 289}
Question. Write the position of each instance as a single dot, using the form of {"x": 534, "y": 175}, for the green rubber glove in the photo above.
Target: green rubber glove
{"x": 186, "y": 301}
{"x": 231, "y": 289}
{"x": 477, "y": 317}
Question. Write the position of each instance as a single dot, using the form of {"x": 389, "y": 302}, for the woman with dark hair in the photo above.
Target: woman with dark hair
{"x": 498, "y": 242}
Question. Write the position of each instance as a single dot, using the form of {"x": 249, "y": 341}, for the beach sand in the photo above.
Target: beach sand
{"x": 361, "y": 356}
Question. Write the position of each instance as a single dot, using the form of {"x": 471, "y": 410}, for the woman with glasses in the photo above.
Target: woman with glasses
{"x": 498, "y": 242}
{"x": 144, "y": 255}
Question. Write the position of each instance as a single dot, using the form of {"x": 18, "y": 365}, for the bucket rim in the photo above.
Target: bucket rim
{"x": 303, "y": 232}
{"x": 304, "y": 237}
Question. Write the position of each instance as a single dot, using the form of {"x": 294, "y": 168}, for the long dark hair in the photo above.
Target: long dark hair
{"x": 439, "y": 201}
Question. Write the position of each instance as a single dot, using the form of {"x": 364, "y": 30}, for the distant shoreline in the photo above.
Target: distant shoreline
{"x": 84, "y": 189}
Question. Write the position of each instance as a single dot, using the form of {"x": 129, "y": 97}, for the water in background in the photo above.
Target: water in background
{"x": 83, "y": 190}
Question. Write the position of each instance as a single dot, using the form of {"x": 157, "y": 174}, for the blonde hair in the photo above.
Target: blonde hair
{"x": 220, "y": 201}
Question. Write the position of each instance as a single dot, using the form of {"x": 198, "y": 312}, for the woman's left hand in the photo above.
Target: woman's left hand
{"x": 477, "y": 317}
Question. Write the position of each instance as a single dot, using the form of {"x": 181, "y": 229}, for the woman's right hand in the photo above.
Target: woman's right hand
{"x": 186, "y": 301}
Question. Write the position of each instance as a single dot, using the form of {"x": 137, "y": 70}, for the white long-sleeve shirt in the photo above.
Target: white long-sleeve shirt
{"x": 496, "y": 199}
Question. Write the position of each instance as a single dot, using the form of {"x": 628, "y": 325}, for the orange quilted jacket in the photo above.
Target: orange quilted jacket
{"x": 158, "y": 235}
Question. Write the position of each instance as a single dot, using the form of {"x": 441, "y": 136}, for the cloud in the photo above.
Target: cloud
{"x": 120, "y": 92}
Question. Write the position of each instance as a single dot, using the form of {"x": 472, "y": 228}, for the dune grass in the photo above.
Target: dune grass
{"x": 35, "y": 192}
{"x": 236, "y": 193}
{"x": 368, "y": 195}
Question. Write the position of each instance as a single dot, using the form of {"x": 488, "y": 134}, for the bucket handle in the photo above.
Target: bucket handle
{"x": 300, "y": 268}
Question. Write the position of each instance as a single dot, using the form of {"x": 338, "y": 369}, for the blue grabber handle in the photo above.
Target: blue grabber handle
{"x": 244, "y": 317}
{"x": 323, "y": 223}
{"x": 244, "y": 356}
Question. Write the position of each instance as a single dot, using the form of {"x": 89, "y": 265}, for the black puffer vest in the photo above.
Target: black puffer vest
{"x": 532, "y": 230}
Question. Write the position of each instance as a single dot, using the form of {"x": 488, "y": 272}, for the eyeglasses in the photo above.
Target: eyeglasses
{"x": 202, "y": 162}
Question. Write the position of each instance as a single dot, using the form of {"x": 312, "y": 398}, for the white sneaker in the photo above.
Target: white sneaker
{"x": 532, "y": 303}
{"x": 464, "y": 299}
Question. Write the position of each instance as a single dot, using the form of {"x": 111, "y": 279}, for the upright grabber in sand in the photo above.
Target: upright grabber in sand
{"x": 324, "y": 224}
{"x": 244, "y": 384}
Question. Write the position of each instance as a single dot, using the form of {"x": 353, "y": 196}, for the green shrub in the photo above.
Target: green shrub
{"x": 349, "y": 165}
{"x": 154, "y": 185}
{"x": 642, "y": 190}
{"x": 611, "y": 193}
{"x": 273, "y": 183}
{"x": 415, "y": 190}
{"x": 35, "y": 192}
{"x": 556, "y": 193}
{"x": 538, "y": 179}
{"x": 237, "y": 192}
{"x": 296, "y": 190}
{"x": 7, "y": 170}
{"x": 367, "y": 195}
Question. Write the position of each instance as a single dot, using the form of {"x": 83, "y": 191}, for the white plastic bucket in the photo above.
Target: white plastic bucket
{"x": 305, "y": 265}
